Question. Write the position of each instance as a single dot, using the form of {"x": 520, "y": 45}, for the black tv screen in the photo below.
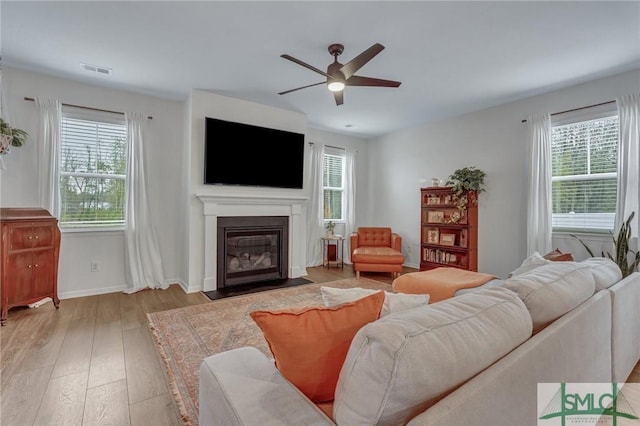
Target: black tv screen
{"x": 247, "y": 155}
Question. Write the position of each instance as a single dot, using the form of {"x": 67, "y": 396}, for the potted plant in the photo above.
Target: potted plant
{"x": 330, "y": 226}
{"x": 627, "y": 259}
{"x": 464, "y": 182}
{"x": 10, "y": 136}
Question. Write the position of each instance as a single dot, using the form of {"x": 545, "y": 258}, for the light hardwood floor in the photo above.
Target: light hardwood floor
{"x": 94, "y": 361}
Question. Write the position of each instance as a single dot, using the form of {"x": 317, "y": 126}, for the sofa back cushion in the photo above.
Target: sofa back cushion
{"x": 605, "y": 271}
{"x": 374, "y": 236}
{"x": 550, "y": 291}
{"x": 401, "y": 364}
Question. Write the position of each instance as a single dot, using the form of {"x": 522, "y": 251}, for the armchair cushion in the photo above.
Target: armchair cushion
{"x": 377, "y": 255}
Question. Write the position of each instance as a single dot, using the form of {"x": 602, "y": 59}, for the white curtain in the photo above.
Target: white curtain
{"x": 350, "y": 199}
{"x": 315, "y": 224}
{"x": 539, "y": 199}
{"x": 48, "y": 153}
{"x": 143, "y": 266}
{"x": 628, "y": 196}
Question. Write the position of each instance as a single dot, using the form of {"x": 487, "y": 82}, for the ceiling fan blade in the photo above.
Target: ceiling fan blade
{"x": 351, "y": 67}
{"x": 339, "y": 97}
{"x": 357, "y": 80}
{"x": 303, "y": 87}
{"x": 304, "y": 64}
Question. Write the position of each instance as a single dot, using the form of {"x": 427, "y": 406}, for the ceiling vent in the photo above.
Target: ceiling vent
{"x": 96, "y": 69}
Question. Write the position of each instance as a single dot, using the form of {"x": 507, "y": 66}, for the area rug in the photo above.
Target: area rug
{"x": 185, "y": 336}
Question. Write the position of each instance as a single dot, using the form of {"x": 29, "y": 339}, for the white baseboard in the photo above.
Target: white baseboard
{"x": 91, "y": 292}
{"x": 183, "y": 285}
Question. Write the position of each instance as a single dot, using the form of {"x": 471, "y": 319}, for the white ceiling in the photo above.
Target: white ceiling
{"x": 451, "y": 57}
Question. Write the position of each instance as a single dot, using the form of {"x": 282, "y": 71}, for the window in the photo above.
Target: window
{"x": 584, "y": 153}
{"x": 93, "y": 162}
{"x": 333, "y": 184}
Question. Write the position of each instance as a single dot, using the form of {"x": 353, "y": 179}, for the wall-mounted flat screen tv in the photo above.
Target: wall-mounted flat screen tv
{"x": 247, "y": 155}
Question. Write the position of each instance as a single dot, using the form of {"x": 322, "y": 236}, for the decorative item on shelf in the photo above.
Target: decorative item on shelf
{"x": 435, "y": 182}
{"x": 455, "y": 217}
{"x": 627, "y": 259}
{"x": 465, "y": 181}
{"x": 435, "y": 217}
{"x": 330, "y": 226}
{"x": 447, "y": 239}
{"x": 433, "y": 236}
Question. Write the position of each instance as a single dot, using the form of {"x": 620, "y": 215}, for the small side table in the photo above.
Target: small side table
{"x": 333, "y": 251}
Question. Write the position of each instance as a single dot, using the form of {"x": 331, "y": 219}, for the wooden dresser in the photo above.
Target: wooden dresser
{"x": 30, "y": 250}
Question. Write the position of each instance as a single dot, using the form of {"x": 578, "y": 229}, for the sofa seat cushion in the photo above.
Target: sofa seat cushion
{"x": 379, "y": 254}
{"x": 550, "y": 291}
{"x": 605, "y": 271}
{"x": 403, "y": 363}
{"x": 393, "y": 302}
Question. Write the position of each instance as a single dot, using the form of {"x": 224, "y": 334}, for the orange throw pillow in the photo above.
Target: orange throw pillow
{"x": 558, "y": 256}
{"x": 310, "y": 345}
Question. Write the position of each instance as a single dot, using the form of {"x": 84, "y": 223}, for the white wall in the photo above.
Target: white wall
{"x": 494, "y": 140}
{"x": 18, "y": 182}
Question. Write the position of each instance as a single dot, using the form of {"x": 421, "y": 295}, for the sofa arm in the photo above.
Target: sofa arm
{"x": 396, "y": 242}
{"x": 353, "y": 244}
{"x": 243, "y": 387}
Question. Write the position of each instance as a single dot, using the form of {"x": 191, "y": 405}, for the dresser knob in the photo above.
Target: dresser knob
{"x": 37, "y": 236}
{"x": 29, "y": 266}
{"x": 29, "y": 237}
{"x": 36, "y": 265}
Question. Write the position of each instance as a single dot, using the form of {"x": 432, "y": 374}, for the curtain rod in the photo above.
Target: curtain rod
{"x": 578, "y": 109}
{"x": 89, "y": 108}
{"x": 328, "y": 146}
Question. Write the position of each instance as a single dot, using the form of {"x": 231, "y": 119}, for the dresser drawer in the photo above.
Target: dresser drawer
{"x": 28, "y": 236}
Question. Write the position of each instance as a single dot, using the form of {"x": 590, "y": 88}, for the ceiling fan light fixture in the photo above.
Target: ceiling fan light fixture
{"x": 335, "y": 86}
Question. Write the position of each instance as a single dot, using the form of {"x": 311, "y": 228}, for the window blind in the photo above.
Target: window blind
{"x": 93, "y": 155}
{"x": 584, "y": 174}
{"x": 332, "y": 182}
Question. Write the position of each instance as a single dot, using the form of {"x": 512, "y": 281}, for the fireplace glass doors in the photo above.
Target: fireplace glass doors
{"x": 252, "y": 249}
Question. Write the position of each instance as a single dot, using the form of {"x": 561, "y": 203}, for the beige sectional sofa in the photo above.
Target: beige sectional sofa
{"x": 475, "y": 359}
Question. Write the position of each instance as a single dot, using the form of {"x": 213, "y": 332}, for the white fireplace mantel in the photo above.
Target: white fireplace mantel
{"x": 250, "y": 205}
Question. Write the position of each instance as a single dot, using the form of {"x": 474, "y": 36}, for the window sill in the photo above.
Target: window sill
{"x": 568, "y": 232}
{"x": 102, "y": 231}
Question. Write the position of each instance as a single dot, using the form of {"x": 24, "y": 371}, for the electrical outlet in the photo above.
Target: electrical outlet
{"x": 95, "y": 266}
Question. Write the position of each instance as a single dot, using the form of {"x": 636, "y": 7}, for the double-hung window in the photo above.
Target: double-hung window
{"x": 584, "y": 155}
{"x": 92, "y": 168}
{"x": 333, "y": 184}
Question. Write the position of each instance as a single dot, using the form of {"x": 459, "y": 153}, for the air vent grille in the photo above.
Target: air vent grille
{"x": 96, "y": 69}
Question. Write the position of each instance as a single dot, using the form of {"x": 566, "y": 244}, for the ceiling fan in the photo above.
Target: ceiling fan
{"x": 339, "y": 76}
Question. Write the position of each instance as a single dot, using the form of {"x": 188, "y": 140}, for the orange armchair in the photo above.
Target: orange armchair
{"x": 376, "y": 249}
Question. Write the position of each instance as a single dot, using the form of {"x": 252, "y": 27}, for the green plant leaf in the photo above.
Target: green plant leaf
{"x": 626, "y": 259}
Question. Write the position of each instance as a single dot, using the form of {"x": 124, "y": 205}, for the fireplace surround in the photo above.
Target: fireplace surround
{"x": 251, "y": 204}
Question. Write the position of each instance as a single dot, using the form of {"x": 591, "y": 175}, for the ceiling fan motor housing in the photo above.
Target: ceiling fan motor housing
{"x": 336, "y": 49}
